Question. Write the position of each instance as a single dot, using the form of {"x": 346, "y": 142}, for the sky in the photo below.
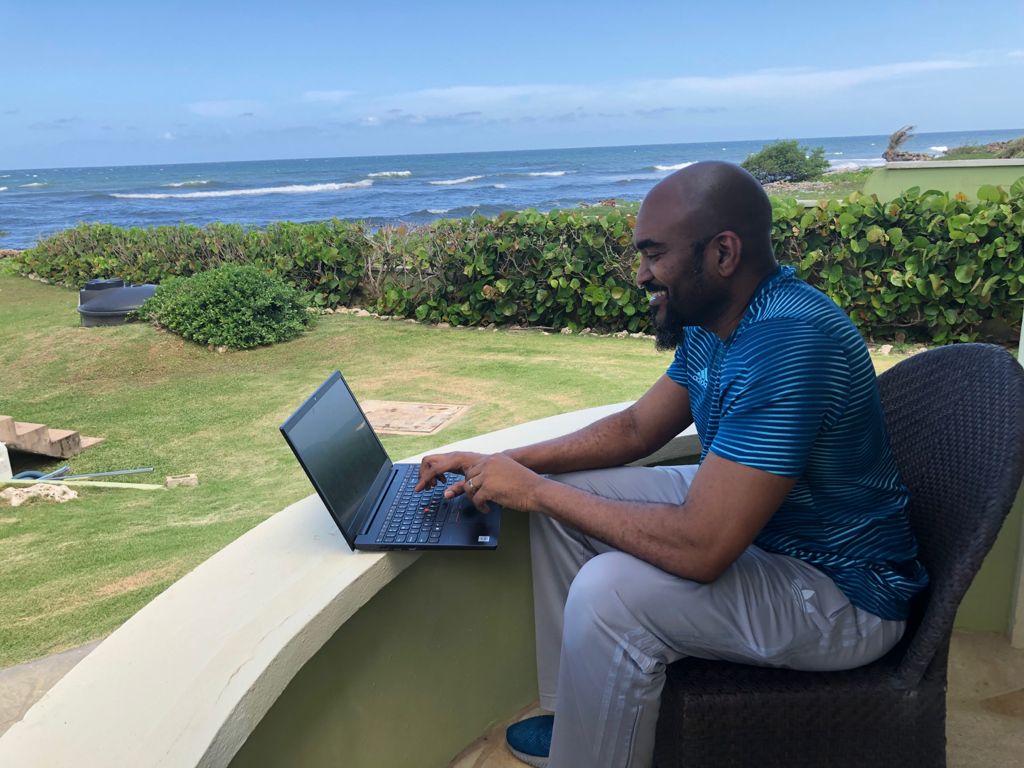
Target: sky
{"x": 120, "y": 83}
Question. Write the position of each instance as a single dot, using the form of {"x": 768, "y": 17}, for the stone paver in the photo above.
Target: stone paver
{"x": 23, "y": 685}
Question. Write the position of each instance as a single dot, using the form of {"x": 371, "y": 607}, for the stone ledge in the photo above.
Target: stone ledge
{"x": 907, "y": 164}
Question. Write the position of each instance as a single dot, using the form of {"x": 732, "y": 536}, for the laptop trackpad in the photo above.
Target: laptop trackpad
{"x": 468, "y": 525}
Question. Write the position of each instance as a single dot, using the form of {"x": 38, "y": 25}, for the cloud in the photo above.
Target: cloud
{"x": 58, "y": 124}
{"x": 228, "y": 108}
{"x": 167, "y": 136}
{"x": 1016, "y": 54}
{"x": 331, "y": 97}
{"x": 397, "y": 116}
{"x": 692, "y": 94}
{"x": 10, "y": 112}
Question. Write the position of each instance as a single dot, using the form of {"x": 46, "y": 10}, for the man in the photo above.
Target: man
{"x": 788, "y": 546}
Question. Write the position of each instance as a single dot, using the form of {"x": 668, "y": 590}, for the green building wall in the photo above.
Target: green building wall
{"x": 964, "y": 176}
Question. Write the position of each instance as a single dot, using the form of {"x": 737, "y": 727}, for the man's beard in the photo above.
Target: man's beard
{"x": 669, "y": 332}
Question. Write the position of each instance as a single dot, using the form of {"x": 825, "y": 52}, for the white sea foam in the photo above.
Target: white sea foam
{"x": 449, "y": 182}
{"x": 35, "y": 184}
{"x": 5, "y": 175}
{"x": 939, "y": 149}
{"x": 3, "y": 189}
{"x": 676, "y": 167}
{"x": 438, "y": 211}
{"x": 194, "y": 183}
{"x": 547, "y": 173}
{"x": 855, "y": 164}
{"x": 291, "y": 189}
{"x": 500, "y": 186}
{"x": 388, "y": 174}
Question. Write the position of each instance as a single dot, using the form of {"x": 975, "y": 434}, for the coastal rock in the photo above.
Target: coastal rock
{"x": 58, "y": 493}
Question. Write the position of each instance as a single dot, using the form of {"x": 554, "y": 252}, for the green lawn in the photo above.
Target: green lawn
{"x": 71, "y": 573}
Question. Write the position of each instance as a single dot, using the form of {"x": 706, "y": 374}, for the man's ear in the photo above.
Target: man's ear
{"x": 728, "y": 251}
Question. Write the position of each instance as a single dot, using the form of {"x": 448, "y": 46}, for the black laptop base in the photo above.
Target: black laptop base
{"x": 429, "y": 521}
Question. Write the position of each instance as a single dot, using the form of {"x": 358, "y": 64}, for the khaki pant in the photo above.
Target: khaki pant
{"x": 608, "y": 623}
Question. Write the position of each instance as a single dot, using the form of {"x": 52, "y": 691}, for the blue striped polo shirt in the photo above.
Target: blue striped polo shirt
{"x": 792, "y": 391}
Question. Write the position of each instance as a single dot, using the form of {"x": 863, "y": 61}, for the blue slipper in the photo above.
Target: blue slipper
{"x": 530, "y": 739}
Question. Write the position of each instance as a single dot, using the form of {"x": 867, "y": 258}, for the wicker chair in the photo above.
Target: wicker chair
{"x": 956, "y": 423}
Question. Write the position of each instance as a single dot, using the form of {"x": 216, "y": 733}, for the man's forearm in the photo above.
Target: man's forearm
{"x": 608, "y": 442}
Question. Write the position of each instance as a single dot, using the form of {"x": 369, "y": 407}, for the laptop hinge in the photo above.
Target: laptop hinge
{"x": 372, "y": 501}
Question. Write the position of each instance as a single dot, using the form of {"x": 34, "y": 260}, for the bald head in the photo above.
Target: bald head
{"x": 711, "y": 197}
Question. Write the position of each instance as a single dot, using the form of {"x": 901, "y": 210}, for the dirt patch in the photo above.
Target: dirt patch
{"x": 393, "y": 417}
{"x": 136, "y": 581}
{"x": 8, "y": 520}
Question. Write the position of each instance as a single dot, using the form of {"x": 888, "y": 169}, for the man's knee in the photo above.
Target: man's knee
{"x": 599, "y": 596}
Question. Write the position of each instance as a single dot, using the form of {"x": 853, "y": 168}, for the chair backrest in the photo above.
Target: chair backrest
{"x": 956, "y": 424}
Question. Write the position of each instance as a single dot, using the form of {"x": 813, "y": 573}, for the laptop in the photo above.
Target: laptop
{"x": 371, "y": 499}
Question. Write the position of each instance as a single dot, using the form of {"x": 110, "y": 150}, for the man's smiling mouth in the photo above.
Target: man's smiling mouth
{"x": 657, "y": 297}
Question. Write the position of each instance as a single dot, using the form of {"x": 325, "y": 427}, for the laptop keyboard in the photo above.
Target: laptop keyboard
{"x": 416, "y": 518}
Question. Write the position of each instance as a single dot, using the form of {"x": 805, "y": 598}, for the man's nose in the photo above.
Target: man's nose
{"x": 643, "y": 273}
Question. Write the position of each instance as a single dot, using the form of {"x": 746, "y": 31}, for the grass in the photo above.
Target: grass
{"x": 71, "y": 573}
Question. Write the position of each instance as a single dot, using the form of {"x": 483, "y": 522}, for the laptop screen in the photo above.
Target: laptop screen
{"x": 338, "y": 448}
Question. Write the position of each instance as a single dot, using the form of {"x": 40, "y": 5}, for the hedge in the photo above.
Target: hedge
{"x": 927, "y": 265}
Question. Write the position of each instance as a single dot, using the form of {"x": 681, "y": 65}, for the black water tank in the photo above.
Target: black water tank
{"x": 108, "y": 301}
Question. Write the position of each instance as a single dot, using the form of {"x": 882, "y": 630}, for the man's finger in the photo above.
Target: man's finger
{"x": 455, "y": 489}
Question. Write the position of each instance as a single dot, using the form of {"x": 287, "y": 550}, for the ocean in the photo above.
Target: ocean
{"x": 414, "y": 189}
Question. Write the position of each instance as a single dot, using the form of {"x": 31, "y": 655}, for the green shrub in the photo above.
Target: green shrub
{"x": 786, "y": 161}
{"x": 326, "y": 258}
{"x": 232, "y": 305}
{"x": 927, "y": 265}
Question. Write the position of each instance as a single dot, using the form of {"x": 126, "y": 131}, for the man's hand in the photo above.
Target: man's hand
{"x": 503, "y": 480}
{"x": 433, "y": 467}
{"x": 487, "y": 478}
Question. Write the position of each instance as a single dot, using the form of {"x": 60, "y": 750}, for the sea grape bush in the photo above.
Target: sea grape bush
{"x": 926, "y": 265}
{"x": 933, "y": 266}
{"x": 786, "y": 161}
{"x": 234, "y": 305}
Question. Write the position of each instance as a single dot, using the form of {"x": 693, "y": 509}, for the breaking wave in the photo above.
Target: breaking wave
{"x": 3, "y": 189}
{"x": 449, "y": 182}
{"x": 547, "y": 173}
{"x": 855, "y": 164}
{"x": 195, "y": 183}
{"x": 676, "y": 167}
{"x": 388, "y": 174}
{"x": 35, "y": 184}
{"x": 291, "y": 189}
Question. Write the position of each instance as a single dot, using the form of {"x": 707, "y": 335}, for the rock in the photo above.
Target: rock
{"x": 586, "y": 332}
{"x": 621, "y": 335}
{"x": 567, "y": 331}
{"x": 444, "y": 325}
{"x": 58, "y": 493}
{"x": 361, "y": 313}
{"x": 222, "y": 349}
{"x": 885, "y": 349}
{"x": 181, "y": 481}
